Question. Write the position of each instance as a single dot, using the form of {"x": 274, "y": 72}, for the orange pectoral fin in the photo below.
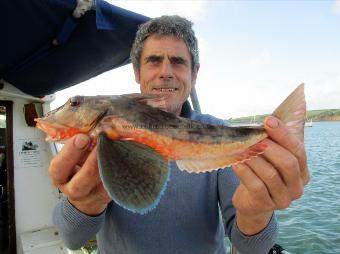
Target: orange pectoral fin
{"x": 112, "y": 134}
{"x": 211, "y": 164}
{"x": 107, "y": 125}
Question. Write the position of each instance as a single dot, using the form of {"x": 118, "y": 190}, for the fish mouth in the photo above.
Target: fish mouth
{"x": 58, "y": 132}
{"x": 55, "y": 132}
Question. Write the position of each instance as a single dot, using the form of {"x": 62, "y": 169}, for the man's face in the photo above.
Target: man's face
{"x": 165, "y": 69}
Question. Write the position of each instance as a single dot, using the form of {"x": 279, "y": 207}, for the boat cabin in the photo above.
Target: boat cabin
{"x": 46, "y": 46}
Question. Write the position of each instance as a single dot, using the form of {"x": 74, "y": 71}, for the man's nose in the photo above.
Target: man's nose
{"x": 166, "y": 71}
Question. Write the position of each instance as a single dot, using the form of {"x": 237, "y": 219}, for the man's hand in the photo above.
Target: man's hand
{"x": 75, "y": 172}
{"x": 271, "y": 181}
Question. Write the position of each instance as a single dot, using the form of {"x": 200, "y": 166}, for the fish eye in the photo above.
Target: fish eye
{"x": 75, "y": 101}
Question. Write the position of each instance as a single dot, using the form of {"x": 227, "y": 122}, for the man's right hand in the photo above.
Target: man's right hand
{"x": 74, "y": 170}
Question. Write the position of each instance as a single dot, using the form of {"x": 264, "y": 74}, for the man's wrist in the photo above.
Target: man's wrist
{"x": 252, "y": 224}
{"x": 89, "y": 209}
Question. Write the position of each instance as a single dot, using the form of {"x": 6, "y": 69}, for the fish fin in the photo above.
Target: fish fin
{"x": 211, "y": 164}
{"x": 152, "y": 100}
{"x": 134, "y": 175}
{"x": 292, "y": 111}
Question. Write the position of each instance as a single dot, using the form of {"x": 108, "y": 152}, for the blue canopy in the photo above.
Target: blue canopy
{"x": 44, "y": 48}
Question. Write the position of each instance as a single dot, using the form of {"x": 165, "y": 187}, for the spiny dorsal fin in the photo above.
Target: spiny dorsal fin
{"x": 152, "y": 100}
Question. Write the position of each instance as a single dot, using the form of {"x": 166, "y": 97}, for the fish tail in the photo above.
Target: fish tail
{"x": 292, "y": 111}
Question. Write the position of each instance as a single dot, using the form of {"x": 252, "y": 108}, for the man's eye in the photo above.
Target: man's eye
{"x": 154, "y": 60}
{"x": 177, "y": 61}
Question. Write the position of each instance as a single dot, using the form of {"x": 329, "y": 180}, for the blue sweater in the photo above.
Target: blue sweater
{"x": 193, "y": 216}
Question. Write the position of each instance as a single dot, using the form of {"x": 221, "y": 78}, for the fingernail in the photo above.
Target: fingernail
{"x": 272, "y": 122}
{"x": 81, "y": 141}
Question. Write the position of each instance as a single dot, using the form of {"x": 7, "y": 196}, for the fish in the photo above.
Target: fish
{"x": 136, "y": 140}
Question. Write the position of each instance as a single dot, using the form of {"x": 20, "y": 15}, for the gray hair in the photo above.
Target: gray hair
{"x": 165, "y": 25}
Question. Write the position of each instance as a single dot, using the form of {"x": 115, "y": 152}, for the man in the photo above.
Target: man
{"x": 187, "y": 219}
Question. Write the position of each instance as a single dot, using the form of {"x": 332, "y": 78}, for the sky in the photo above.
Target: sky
{"x": 252, "y": 54}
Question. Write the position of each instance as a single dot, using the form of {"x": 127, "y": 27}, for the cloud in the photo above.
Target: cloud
{"x": 263, "y": 59}
{"x": 193, "y": 10}
{"x": 337, "y": 6}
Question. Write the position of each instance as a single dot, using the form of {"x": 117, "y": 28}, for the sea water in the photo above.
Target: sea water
{"x": 311, "y": 225}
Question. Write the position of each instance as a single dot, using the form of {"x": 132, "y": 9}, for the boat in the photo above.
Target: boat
{"x": 309, "y": 123}
{"x": 46, "y": 46}
{"x": 251, "y": 123}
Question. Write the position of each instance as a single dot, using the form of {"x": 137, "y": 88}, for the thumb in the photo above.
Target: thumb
{"x": 62, "y": 165}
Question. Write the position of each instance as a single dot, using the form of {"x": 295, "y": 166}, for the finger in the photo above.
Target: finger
{"x": 63, "y": 164}
{"x": 85, "y": 180}
{"x": 287, "y": 165}
{"x": 273, "y": 181}
{"x": 255, "y": 186}
{"x": 279, "y": 132}
{"x": 84, "y": 157}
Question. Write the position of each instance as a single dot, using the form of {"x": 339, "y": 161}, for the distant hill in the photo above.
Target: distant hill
{"x": 316, "y": 115}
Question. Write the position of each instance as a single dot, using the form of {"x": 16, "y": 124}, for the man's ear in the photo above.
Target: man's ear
{"x": 194, "y": 74}
{"x": 137, "y": 75}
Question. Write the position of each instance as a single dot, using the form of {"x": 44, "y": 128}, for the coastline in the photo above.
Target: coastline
{"x": 320, "y": 115}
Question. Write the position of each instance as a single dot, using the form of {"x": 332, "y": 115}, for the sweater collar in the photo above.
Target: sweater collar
{"x": 186, "y": 110}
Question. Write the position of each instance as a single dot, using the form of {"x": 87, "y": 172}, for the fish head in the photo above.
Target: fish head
{"x": 80, "y": 114}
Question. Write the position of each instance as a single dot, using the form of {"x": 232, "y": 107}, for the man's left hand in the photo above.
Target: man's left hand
{"x": 271, "y": 181}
